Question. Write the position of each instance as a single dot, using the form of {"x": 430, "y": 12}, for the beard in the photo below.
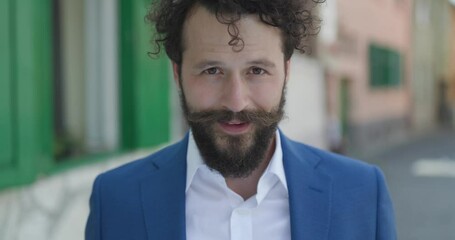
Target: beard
{"x": 234, "y": 156}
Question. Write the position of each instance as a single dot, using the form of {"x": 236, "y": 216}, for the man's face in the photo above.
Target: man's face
{"x": 233, "y": 100}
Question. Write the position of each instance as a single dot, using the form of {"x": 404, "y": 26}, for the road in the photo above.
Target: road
{"x": 421, "y": 178}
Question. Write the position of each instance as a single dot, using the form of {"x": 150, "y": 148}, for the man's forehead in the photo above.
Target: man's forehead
{"x": 199, "y": 19}
{"x": 204, "y": 28}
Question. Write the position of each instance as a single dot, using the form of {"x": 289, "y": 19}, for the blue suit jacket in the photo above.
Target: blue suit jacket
{"x": 330, "y": 197}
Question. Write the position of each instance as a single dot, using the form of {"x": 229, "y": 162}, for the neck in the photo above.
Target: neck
{"x": 247, "y": 186}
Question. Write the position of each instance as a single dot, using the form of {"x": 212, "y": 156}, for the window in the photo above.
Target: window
{"x": 76, "y": 81}
{"x": 109, "y": 95}
{"x": 85, "y": 78}
{"x": 385, "y": 67}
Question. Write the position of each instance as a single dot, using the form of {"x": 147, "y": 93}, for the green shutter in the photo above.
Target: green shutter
{"x": 25, "y": 72}
{"x": 385, "y": 67}
{"x": 6, "y": 86}
{"x": 394, "y": 68}
{"x": 375, "y": 65}
{"x": 144, "y": 81}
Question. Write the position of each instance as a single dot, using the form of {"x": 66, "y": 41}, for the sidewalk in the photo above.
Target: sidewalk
{"x": 421, "y": 178}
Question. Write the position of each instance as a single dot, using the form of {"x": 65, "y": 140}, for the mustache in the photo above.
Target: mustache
{"x": 259, "y": 117}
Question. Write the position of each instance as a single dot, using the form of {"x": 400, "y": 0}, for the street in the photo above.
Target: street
{"x": 421, "y": 179}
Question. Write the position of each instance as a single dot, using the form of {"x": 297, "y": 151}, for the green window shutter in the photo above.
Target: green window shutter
{"x": 376, "y": 70}
{"x": 6, "y": 86}
{"x": 144, "y": 81}
{"x": 394, "y": 68}
{"x": 384, "y": 76}
{"x": 376, "y": 63}
{"x": 24, "y": 72}
{"x": 385, "y": 67}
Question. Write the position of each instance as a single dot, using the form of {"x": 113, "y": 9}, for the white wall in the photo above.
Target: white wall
{"x": 306, "y": 106}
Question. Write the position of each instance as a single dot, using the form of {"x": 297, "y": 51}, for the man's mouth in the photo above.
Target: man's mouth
{"x": 234, "y": 127}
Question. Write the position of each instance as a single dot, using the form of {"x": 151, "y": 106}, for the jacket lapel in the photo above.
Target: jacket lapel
{"x": 309, "y": 192}
{"x": 163, "y": 195}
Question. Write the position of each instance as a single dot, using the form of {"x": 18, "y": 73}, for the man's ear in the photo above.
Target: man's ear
{"x": 175, "y": 71}
{"x": 287, "y": 69}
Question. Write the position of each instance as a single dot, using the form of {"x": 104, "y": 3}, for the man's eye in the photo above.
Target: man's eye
{"x": 257, "y": 71}
{"x": 212, "y": 71}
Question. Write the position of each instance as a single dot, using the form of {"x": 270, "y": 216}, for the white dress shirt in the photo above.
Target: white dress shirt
{"x": 215, "y": 212}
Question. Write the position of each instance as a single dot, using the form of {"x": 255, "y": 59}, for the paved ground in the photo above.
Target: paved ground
{"x": 421, "y": 178}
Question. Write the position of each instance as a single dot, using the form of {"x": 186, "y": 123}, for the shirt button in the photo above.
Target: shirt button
{"x": 243, "y": 211}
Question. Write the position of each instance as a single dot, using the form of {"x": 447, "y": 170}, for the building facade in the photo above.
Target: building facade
{"x": 451, "y": 68}
{"x": 431, "y": 74}
{"x": 368, "y": 71}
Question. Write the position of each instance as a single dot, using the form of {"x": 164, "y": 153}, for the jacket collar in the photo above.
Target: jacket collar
{"x": 309, "y": 191}
{"x": 163, "y": 194}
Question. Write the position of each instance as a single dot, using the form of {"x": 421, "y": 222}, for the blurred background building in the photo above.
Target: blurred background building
{"x": 431, "y": 77}
{"x": 368, "y": 71}
{"x": 389, "y": 69}
{"x": 80, "y": 95}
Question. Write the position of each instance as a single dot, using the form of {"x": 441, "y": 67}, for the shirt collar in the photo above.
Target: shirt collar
{"x": 194, "y": 161}
{"x": 276, "y": 163}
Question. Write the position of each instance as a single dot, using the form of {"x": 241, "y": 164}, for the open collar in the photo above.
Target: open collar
{"x": 195, "y": 161}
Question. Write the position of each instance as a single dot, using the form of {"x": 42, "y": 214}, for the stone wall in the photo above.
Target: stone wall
{"x": 54, "y": 207}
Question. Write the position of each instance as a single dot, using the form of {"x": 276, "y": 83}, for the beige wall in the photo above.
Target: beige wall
{"x": 452, "y": 55}
{"x": 386, "y": 23}
{"x": 451, "y": 77}
{"x": 431, "y": 43}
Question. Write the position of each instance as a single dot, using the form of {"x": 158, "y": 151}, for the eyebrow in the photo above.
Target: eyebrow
{"x": 262, "y": 62}
{"x": 207, "y": 63}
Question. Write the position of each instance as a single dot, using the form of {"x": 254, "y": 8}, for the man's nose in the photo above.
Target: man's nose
{"x": 235, "y": 93}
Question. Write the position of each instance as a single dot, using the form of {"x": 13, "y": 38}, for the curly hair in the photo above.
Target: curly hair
{"x": 293, "y": 17}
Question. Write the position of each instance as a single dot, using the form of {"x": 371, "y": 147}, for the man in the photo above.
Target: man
{"x": 235, "y": 175}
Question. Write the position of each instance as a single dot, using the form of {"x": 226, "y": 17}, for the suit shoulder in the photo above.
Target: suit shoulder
{"x": 340, "y": 160}
{"x": 336, "y": 164}
{"x": 143, "y": 166}
{"x": 345, "y": 172}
